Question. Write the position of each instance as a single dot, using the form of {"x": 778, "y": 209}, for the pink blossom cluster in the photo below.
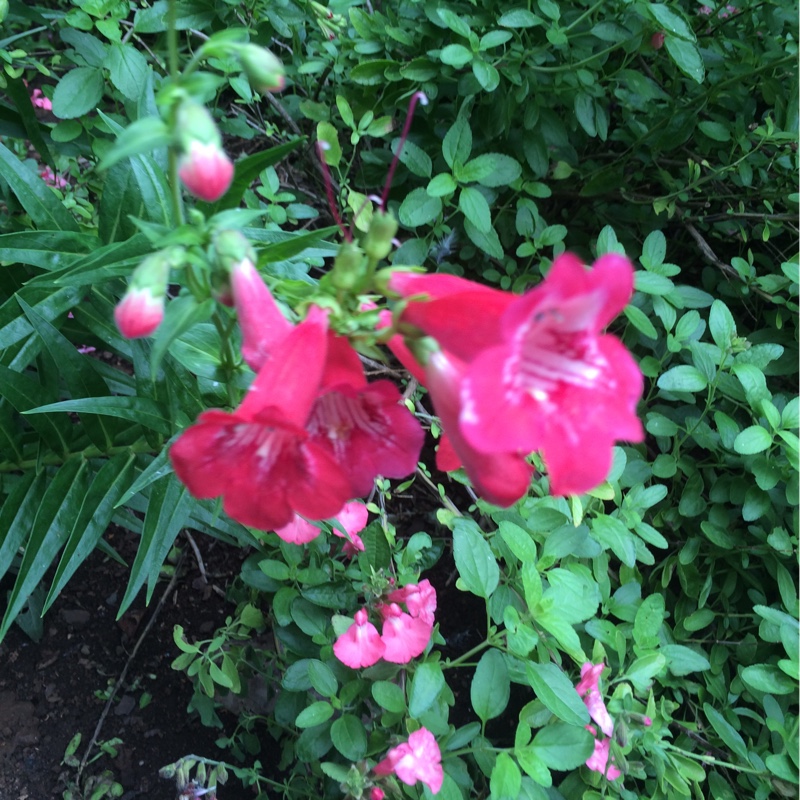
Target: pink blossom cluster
{"x": 510, "y": 374}
{"x": 404, "y": 634}
{"x": 53, "y": 178}
{"x": 311, "y": 433}
{"x": 418, "y": 759}
{"x": 589, "y": 689}
{"x": 38, "y": 100}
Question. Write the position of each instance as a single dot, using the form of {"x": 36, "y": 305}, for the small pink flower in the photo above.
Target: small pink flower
{"x": 647, "y": 722}
{"x": 139, "y": 313}
{"x": 589, "y": 689}
{"x": 40, "y": 101}
{"x": 360, "y": 645}
{"x": 405, "y": 637}
{"x": 206, "y": 170}
{"x": 705, "y": 10}
{"x": 420, "y": 600}
{"x": 53, "y": 179}
{"x": 353, "y": 518}
{"x": 598, "y": 761}
{"x": 86, "y": 348}
{"x": 418, "y": 759}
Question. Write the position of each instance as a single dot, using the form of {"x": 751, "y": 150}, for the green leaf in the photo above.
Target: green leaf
{"x": 19, "y": 94}
{"x": 519, "y": 18}
{"x": 671, "y": 21}
{"x": 92, "y": 519}
{"x": 506, "y": 781}
{"x": 329, "y": 137}
{"x": 349, "y": 737}
{"x": 167, "y": 509}
{"x": 654, "y": 250}
{"x": 486, "y": 75}
{"x": 439, "y": 186}
{"x": 721, "y": 325}
{"x": 455, "y": 55}
{"x": 427, "y": 683}
{"x": 50, "y": 528}
{"x": 754, "y": 439}
{"x": 491, "y": 169}
{"x": 419, "y": 208}
{"x": 557, "y": 693}
{"x": 475, "y": 208}
{"x": 769, "y": 679}
{"x": 682, "y": 660}
{"x": 322, "y": 678}
{"x": 34, "y": 195}
{"x": 454, "y": 22}
{"x": 475, "y": 562}
{"x": 181, "y": 314}
{"x": 649, "y": 619}
{"x": 489, "y": 241}
{"x": 563, "y": 747}
{"x": 247, "y": 169}
{"x": 127, "y": 69}
{"x": 315, "y": 714}
{"x": 78, "y": 92}
{"x": 413, "y": 157}
{"x": 49, "y": 250}
{"x": 644, "y": 669}
{"x": 614, "y": 535}
{"x": 370, "y": 73}
{"x": 17, "y": 514}
{"x": 457, "y": 144}
{"x": 726, "y": 732}
{"x": 683, "y": 378}
{"x": 687, "y": 58}
{"x": 639, "y": 320}
{"x": 715, "y": 130}
{"x": 145, "y": 135}
{"x": 491, "y": 687}
{"x": 389, "y": 696}
{"x": 533, "y": 765}
{"x": 652, "y": 283}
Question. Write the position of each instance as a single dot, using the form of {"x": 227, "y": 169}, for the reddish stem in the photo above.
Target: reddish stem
{"x": 417, "y": 97}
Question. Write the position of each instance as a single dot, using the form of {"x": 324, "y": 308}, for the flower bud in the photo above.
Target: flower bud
{"x": 349, "y": 266}
{"x": 263, "y": 68}
{"x": 378, "y": 241}
{"x": 231, "y": 248}
{"x": 141, "y": 310}
{"x": 657, "y": 40}
{"x": 376, "y": 793}
{"x": 204, "y": 168}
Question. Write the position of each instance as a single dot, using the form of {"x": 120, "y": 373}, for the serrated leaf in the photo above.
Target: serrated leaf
{"x": 474, "y": 207}
{"x": 127, "y": 69}
{"x": 167, "y": 509}
{"x": 489, "y": 241}
{"x": 419, "y": 208}
{"x": 413, "y": 157}
{"x": 457, "y": 144}
{"x": 93, "y": 518}
{"x": 50, "y": 528}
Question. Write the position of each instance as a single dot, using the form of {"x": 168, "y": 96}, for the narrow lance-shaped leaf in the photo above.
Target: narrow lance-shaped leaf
{"x": 35, "y": 196}
{"x": 92, "y": 520}
{"x": 17, "y": 515}
{"x": 167, "y": 509}
{"x": 49, "y": 304}
{"x": 78, "y": 374}
{"x": 51, "y": 527}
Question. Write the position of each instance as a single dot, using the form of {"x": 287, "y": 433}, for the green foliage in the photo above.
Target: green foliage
{"x": 548, "y": 126}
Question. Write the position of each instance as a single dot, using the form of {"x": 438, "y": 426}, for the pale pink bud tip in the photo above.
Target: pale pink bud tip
{"x": 206, "y": 171}
{"x": 139, "y": 313}
{"x": 647, "y": 722}
{"x": 422, "y": 98}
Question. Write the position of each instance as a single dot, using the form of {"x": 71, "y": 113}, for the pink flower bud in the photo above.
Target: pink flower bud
{"x": 263, "y": 68}
{"x": 376, "y": 793}
{"x": 657, "y": 40}
{"x": 206, "y": 170}
{"x": 647, "y": 722}
{"x": 139, "y": 313}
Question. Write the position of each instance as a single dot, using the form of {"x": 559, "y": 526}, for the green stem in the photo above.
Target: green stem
{"x": 715, "y": 761}
{"x": 92, "y": 451}
{"x": 173, "y": 64}
{"x": 459, "y": 662}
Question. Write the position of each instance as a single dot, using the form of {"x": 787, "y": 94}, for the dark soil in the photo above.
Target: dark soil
{"x": 54, "y": 689}
{"x": 48, "y": 691}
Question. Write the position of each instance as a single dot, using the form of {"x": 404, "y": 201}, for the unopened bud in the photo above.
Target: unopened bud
{"x": 376, "y": 793}
{"x": 263, "y": 68}
{"x": 378, "y": 241}
{"x": 657, "y": 40}
{"x": 141, "y": 310}
{"x": 204, "y": 167}
{"x": 231, "y": 248}
{"x": 349, "y": 266}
